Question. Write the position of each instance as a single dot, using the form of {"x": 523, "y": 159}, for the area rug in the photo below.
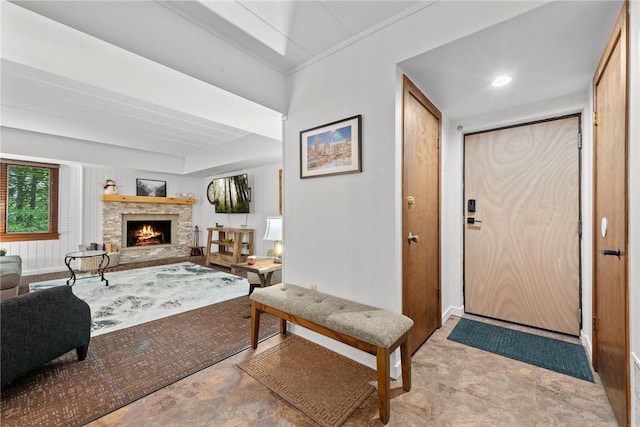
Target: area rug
{"x": 325, "y": 386}
{"x": 559, "y": 356}
{"x": 127, "y": 364}
{"x": 144, "y": 294}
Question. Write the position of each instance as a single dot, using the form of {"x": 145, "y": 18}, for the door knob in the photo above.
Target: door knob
{"x": 411, "y": 200}
{"x": 413, "y": 238}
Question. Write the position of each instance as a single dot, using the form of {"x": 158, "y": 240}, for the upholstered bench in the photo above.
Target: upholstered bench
{"x": 374, "y": 330}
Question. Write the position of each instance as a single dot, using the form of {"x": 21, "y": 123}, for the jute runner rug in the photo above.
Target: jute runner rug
{"x": 125, "y": 365}
{"x": 325, "y": 386}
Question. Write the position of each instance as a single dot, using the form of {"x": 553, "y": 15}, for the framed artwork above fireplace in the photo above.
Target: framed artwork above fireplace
{"x": 151, "y": 188}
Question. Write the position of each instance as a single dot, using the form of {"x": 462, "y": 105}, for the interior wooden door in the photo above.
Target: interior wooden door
{"x": 522, "y": 254}
{"x": 420, "y": 215}
{"x": 611, "y": 293}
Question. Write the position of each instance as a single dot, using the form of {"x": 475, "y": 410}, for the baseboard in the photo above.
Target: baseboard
{"x": 452, "y": 311}
{"x": 635, "y": 389}
{"x": 44, "y": 271}
{"x": 586, "y": 342}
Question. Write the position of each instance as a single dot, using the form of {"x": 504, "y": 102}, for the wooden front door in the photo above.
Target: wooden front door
{"x": 522, "y": 251}
{"x": 420, "y": 214}
{"x": 611, "y": 293}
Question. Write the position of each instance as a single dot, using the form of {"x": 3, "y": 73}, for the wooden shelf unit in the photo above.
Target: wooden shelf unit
{"x": 226, "y": 246}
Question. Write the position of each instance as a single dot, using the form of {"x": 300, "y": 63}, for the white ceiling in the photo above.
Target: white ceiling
{"x": 288, "y": 34}
{"x": 551, "y": 51}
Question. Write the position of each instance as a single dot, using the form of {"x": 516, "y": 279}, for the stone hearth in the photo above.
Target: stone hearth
{"x": 112, "y": 214}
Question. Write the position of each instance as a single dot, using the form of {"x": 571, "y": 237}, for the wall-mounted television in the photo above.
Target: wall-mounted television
{"x": 230, "y": 194}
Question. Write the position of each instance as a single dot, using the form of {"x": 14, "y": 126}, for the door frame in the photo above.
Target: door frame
{"x": 580, "y": 217}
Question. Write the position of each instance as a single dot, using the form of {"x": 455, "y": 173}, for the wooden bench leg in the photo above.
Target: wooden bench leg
{"x": 405, "y": 360}
{"x": 283, "y": 326}
{"x": 384, "y": 389}
{"x": 255, "y": 325}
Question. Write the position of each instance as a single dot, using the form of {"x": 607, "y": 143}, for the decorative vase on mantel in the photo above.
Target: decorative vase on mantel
{"x": 110, "y": 187}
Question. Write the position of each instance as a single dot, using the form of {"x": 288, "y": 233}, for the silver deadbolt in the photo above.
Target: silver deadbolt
{"x": 413, "y": 238}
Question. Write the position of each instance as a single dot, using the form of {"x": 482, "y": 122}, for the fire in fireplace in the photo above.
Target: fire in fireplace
{"x": 146, "y": 233}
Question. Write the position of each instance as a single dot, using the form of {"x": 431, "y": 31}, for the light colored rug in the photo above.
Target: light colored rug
{"x": 325, "y": 386}
{"x": 141, "y": 295}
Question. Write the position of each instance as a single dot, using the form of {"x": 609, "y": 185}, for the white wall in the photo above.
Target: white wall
{"x": 343, "y": 232}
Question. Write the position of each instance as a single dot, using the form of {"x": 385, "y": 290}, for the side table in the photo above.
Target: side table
{"x": 104, "y": 262}
{"x": 264, "y": 268}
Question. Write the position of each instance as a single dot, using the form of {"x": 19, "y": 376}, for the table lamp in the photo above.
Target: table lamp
{"x": 274, "y": 233}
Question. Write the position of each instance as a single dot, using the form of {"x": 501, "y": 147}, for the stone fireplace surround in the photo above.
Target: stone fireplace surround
{"x": 112, "y": 214}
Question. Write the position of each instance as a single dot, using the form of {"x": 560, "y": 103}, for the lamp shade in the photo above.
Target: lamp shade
{"x": 274, "y": 229}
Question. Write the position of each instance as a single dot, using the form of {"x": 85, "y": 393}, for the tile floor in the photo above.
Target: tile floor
{"x": 453, "y": 385}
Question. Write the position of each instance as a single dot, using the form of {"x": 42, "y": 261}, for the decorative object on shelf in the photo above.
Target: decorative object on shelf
{"x": 110, "y": 187}
{"x": 151, "y": 188}
{"x": 331, "y": 149}
{"x": 274, "y": 233}
{"x": 184, "y": 194}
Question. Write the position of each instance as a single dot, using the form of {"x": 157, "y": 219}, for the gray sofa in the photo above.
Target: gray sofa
{"x": 10, "y": 275}
{"x": 40, "y": 326}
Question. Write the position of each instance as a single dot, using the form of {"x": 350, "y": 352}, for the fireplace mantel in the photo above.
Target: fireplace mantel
{"x": 147, "y": 199}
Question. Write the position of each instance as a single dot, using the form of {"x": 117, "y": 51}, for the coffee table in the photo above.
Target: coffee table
{"x": 104, "y": 262}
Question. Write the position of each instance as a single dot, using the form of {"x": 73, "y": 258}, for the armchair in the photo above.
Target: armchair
{"x": 10, "y": 275}
{"x": 37, "y": 327}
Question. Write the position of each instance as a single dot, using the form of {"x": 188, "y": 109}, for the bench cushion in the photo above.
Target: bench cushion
{"x": 372, "y": 325}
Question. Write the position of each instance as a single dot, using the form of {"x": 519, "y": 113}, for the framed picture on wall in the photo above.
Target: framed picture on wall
{"x": 334, "y": 148}
{"x": 151, "y": 188}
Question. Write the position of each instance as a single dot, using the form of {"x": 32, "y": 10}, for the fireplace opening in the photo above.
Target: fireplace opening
{"x": 147, "y": 233}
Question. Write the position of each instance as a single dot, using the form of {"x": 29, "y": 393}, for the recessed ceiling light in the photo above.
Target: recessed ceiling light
{"x": 501, "y": 81}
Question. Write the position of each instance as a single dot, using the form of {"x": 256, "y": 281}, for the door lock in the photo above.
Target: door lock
{"x": 614, "y": 252}
{"x": 413, "y": 238}
{"x": 471, "y": 205}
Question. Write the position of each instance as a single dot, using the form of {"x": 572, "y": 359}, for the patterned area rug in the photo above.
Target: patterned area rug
{"x": 325, "y": 386}
{"x": 144, "y": 294}
{"x": 559, "y": 356}
{"x": 127, "y": 364}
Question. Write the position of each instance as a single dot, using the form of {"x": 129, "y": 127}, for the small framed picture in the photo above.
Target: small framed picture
{"x": 334, "y": 148}
{"x": 151, "y": 188}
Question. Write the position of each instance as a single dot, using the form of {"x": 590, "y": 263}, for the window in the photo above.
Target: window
{"x": 29, "y": 202}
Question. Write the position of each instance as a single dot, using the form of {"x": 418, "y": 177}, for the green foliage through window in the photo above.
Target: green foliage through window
{"x": 28, "y": 191}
